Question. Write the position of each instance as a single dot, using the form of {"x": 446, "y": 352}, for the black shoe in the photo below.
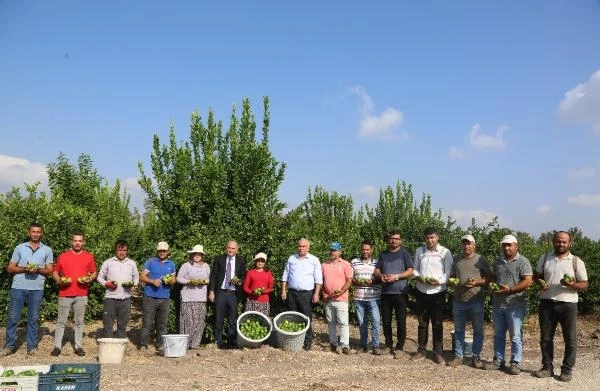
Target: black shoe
{"x": 544, "y": 372}
{"x": 32, "y": 351}
{"x": 307, "y": 347}
{"x": 565, "y": 376}
{"x": 55, "y": 352}
{"x": 79, "y": 352}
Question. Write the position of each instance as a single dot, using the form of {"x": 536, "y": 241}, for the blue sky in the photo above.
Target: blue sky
{"x": 493, "y": 108}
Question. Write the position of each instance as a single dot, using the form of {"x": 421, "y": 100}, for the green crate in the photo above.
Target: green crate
{"x": 87, "y": 381}
{"x": 21, "y": 383}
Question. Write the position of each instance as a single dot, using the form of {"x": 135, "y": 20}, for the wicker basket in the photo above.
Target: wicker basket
{"x": 244, "y": 341}
{"x": 291, "y": 341}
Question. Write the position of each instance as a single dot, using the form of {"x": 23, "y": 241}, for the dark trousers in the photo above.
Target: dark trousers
{"x": 430, "y": 307}
{"x": 301, "y": 301}
{"x": 551, "y": 313}
{"x": 226, "y": 306}
{"x": 116, "y": 309}
{"x": 155, "y": 311}
{"x": 396, "y": 303}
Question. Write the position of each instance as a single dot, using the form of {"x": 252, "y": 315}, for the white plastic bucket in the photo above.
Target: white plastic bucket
{"x": 288, "y": 340}
{"x": 175, "y": 345}
{"x": 244, "y": 341}
{"x": 111, "y": 350}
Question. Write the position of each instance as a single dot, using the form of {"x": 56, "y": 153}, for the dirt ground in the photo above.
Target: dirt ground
{"x": 269, "y": 368}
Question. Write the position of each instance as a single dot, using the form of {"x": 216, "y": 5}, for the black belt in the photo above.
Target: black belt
{"x": 114, "y": 298}
{"x": 228, "y": 291}
{"x": 301, "y": 291}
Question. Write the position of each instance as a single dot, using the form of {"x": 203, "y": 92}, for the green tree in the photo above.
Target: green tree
{"x": 79, "y": 200}
{"x": 214, "y": 186}
{"x": 397, "y": 208}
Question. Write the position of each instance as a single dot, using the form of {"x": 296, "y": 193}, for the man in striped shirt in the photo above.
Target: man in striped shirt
{"x": 367, "y": 295}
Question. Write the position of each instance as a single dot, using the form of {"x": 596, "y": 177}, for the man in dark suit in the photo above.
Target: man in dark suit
{"x": 226, "y": 278}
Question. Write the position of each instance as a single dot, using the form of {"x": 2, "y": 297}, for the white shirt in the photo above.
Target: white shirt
{"x": 553, "y": 270}
{"x": 231, "y": 274}
{"x": 436, "y": 263}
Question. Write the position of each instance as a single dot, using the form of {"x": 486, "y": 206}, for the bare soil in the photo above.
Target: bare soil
{"x": 268, "y": 368}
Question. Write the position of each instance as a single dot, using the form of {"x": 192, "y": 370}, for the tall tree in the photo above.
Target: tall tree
{"x": 214, "y": 186}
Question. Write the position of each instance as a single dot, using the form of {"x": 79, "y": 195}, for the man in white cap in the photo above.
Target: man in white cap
{"x": 158, "y": 276}
{"x": 470, "y": 272}
{"x": 512, "y": 275}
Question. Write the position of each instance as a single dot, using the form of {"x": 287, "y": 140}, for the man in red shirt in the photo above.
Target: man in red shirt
{"x": 75, "y": 270}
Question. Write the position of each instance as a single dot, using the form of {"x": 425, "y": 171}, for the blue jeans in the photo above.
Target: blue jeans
{"x": 510, "y": 320}
{"x": 372, "y": 306}
{"x": 463, "y": 312}
{"x": 18, "y": 298}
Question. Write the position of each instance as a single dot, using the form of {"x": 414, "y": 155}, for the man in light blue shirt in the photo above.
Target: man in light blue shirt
{"x": 30, "y": 263}
{"x": 303, "y": 276}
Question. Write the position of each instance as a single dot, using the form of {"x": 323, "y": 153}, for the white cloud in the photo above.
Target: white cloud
{"x": 381, "y": 126}
{"x": 479, "y": 140}
{"x": 580, "y": 104}
{"x": 15, "y": 171}
{"x": 369, "y": 190}
{"x": 367, "y": 105}
{"x": 464, "y": 217}
{"x": 456, "y": 153}
{"x": 543, "y": 209}
{"x": 584, "y": 172}
{"x": 585, "y": 200}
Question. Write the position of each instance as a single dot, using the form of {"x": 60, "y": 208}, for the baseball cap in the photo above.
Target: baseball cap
{"x": 470, "y": 238}
{"x": 508, "y": 239}
{"x": 335, "y": 246}
{"x": 162, "y": 246}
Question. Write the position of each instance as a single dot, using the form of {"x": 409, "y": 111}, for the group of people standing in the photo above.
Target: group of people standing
{"x": 380, "y": 293}
{"x": 75, "y": 269}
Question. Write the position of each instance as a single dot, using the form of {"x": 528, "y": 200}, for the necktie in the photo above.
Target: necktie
{"x": 228, "y": 273}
